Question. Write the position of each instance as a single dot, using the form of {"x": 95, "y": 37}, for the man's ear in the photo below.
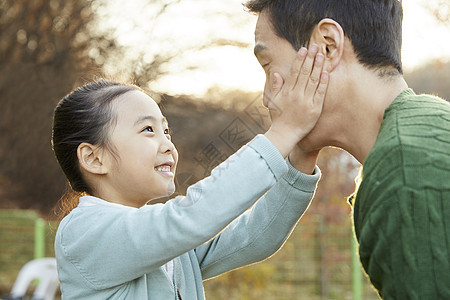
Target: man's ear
{"x": 91, "y": 159}
{"x": 329, "y": 35}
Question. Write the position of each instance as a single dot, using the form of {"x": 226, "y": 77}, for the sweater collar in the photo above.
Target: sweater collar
{"x": 86, "y": 201}
{"x": 399, "y": 99}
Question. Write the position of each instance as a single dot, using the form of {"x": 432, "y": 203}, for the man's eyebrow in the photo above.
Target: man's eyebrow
{"x": 258, "y": 48}
{"x": 150, "y": 118}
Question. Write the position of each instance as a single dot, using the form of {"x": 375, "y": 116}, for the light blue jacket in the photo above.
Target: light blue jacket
{"x": 120, "y": 252}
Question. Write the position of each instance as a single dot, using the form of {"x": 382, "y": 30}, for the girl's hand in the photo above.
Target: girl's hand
{"x": 297, "y": 104}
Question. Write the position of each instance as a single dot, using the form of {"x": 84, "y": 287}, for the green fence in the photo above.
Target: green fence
{"x": 317, "y": 261}
{"x": 23, "y": 236}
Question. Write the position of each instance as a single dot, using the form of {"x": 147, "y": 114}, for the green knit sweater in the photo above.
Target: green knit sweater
{"x": 402, "y": 207}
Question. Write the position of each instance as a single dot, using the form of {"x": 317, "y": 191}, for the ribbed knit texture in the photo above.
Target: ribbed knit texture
{"x": 402, "y": 206}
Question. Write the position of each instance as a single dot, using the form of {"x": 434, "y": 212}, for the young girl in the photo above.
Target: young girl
{"x": 114, "y": 146}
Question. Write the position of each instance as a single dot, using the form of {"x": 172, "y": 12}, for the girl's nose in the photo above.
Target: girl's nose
{"x": 167, "y": 146}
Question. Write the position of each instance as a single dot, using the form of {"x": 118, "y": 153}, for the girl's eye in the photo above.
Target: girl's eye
{"x": 148, "y": 129}
{"x": 167, "y": 131}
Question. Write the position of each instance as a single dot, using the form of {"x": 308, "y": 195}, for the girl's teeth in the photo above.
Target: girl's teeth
{"x": 163, "y": 169}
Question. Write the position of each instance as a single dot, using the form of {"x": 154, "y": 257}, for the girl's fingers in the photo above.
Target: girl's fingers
{"x": 305, "y": 82}
{"x": 305, "y": 71}
{"x": 314, "y": 77}
{"x": 321, "y": 91}
{"x": 275, "y": 86}
{"x": 291, "y": 80}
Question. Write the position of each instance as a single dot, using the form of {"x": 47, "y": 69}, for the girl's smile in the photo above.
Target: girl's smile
{"x": 165, "y": 169}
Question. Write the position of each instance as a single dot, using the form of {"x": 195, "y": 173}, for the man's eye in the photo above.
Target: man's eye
{"x": 148, "y": 129}
{"x": 265, "y": 65}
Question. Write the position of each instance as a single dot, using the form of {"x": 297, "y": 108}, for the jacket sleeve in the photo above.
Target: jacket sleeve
{"x": 262, "y": 230}
{"x": 109, "y": 246}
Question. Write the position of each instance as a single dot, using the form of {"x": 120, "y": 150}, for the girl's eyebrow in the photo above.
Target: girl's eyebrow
{"x": 150, "y": 118}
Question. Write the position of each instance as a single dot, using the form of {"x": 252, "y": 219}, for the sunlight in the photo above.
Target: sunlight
{"x": 424, "y": 38}
{"x": 186, "y": 28}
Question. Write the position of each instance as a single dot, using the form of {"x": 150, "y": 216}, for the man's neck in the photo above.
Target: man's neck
{"x": 363, "y": 112}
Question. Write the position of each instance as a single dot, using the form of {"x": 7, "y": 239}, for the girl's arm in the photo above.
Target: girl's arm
{"x": 108, "y": 246}
{"x": 261, "y": 231}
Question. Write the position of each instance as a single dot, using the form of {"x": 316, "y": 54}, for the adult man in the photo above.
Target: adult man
{"x": 401, "y": 210}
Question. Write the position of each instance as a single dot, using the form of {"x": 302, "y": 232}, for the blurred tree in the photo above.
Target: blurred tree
{"x": 440, "y": 9}
{"x": 47, "y": 47}
{"x": 44, "y": 47}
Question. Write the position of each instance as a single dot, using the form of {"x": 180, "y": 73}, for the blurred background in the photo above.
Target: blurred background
{"x": 195, "y": 57}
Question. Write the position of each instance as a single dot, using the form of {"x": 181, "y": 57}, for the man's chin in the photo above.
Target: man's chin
{"x": 306, "y": 146}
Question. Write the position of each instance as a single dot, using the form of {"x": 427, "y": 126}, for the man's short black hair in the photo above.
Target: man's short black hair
{"x": 374, "y": 27}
